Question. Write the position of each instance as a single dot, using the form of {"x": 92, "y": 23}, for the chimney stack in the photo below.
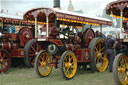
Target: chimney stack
{"x": 56, "y": 4}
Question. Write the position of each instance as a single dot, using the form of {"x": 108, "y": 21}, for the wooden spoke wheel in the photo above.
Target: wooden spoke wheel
{"x": 88, "y": 36}
{"x": 68, "y": 65}
{"x": 4, "y": 60}
{"x": 99, "y": 61}
{"x": 32, "y": 48}
{"x": 120, "y": 69}
{"x": 43, "y": 64}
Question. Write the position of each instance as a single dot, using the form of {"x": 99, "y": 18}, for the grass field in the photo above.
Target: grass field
{"x": 27, "y": 76}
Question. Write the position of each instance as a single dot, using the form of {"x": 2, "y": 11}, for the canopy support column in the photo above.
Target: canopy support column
{"x": 101, "y": 28}
{"x": 83, "y": 26}
{"x": 2, "y": 27}
{"x": 20, "y": 25}
{"x": 90, "y": 26}
{"x": 36, "y": 28}
{"x": 121, "y": 21}
{"x": 47, "y": 26}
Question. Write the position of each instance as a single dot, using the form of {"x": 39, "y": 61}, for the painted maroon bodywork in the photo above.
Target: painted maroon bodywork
{"x": 82, "y": 55}
{"x": 14, "y": 42}
{"x": 57, "y": 42}
{"x": 17, "y": 53}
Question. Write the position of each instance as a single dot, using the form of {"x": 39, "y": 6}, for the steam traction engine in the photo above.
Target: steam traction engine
{"x": 14, "y": 34}
{"x": 62, "y": 42}
{"x": 119, "y": 9}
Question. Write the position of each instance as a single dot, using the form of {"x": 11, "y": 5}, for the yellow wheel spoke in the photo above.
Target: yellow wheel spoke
{"x": 121, "y": 62}
{"x": 121, "y": 69}
{"x": 97, "y": 56}
{"x": 44, "y": 64}
{"x": 127, "y": 74}
{"x": 99, "y": 46}
{"x": 102, "y": 53}
{"x": 97, "y": 52}
{"x": 70, "y": 59}
{"x": 67, "y": 71}
{"x": 96, "y": 49}
{"x": 72, "y": 63}
{"x": 126, "y": 65}
{"x": 69, "y": 65}
{"x": 101, "y": 49}
{"x": 65, "y": 59}
{"x": 71, "y": 69}
{"x": 122, "y": 76}
{"x": 44, "y": 69}
{"x": 101, "y": 59}
{"x": 97, "y": 60}
{"x": 40, "y": 61}
{"x": 42, "y": 58}
{"x": 47, "y": 59}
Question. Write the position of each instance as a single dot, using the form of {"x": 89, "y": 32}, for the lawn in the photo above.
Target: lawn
{"x": 27, "y": 76}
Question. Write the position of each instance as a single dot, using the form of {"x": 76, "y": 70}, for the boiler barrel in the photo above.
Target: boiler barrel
{"x": 8, "y": 45}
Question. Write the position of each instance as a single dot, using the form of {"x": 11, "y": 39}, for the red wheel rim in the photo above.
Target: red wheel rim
{"x": 33, "y": 51}
{"x": 4, "y": 61}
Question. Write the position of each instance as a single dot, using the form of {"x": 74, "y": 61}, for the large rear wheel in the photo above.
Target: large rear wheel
{"x": 68, "y": 65}
{"x": 43, "y": 64}
{"x": 99, "y": 61}
{"x": 5, "y": 60}
{"x": 120, "y": 69}
{"x": 32, "y": 48}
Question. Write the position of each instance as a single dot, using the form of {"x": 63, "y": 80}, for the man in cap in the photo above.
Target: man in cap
{"x": 110, "y": 46}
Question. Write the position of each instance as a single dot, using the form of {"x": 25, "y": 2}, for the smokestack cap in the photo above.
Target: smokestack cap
{"x": 56, "y": 4}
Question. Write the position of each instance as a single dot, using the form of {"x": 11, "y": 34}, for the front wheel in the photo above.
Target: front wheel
{"x": 43, "y": 64}
{"x": 68, "y": 65}
{"x": 120, "y": 69}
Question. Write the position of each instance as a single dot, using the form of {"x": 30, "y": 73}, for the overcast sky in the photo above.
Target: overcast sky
{"x": 89, "y": 7}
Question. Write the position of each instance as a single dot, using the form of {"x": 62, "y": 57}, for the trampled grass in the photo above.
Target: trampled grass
{"x": 28, "y": 76}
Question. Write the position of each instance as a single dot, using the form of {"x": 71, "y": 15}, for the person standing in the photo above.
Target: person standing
{"x": 100, "y": 34}
{"x": 97, "y": 33}
{"x": 110, "y": 46}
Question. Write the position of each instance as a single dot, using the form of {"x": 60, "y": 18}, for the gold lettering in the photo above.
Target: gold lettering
{"x": 81, "y": 19}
